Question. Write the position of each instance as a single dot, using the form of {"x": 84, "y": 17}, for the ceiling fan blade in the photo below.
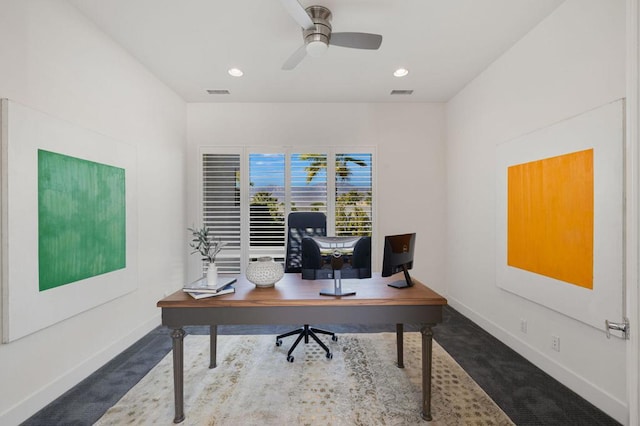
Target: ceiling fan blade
{"x": 356, "y": 40}
{"x": 298, "y": 13}
{"x": 295, "y": 58}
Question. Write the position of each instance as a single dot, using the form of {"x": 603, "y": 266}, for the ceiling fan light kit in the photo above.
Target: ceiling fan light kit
{"x": 315, "y": 49}
{"x": 317, "y": 33}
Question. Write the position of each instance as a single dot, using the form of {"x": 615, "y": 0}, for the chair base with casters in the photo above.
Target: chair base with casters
{"x": 300, "y": 225}
{"x": 307, "y": 332}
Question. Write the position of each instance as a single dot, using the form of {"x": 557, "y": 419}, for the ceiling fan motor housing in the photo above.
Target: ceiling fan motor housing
{"x": 321, "y": 17}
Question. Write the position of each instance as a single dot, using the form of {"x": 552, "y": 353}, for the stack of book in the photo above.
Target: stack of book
{"x": 200, "y": 289}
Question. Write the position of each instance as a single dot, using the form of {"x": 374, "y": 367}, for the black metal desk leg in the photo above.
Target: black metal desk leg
{"x": 427, "y": 355}
{"x": 177, "y": 337}
{"x": 400, "y": 344}
{"x": 213, "y": 345}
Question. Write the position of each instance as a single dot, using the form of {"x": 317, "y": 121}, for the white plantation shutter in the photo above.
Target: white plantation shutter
{"x": 266, "y": 205}
{"x": 308, "y": 190}
{"x": 354, "y": 188}
{"x": 247, "y": 195}
{"x": 221, "y": 211}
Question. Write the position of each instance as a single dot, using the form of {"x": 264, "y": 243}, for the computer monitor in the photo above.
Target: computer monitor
{"x": 398, "y": 256}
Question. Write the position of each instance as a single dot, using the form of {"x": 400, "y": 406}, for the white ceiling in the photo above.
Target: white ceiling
{"x": 190, "y": 45}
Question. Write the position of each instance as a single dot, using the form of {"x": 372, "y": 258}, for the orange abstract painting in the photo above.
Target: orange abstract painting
{"x": 550, "y": 217}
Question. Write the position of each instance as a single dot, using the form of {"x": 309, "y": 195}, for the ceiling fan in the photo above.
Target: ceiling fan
{"x": 316, "y": 32}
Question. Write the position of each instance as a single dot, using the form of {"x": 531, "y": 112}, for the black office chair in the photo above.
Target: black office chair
{"x": 315, "y": 265}
{"x": 300, "y": 225}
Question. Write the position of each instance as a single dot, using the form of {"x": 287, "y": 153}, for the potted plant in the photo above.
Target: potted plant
{"x": 208, "y": 247}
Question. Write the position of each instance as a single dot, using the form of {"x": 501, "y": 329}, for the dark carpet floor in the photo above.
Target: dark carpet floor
{"x": 528, "y": 395}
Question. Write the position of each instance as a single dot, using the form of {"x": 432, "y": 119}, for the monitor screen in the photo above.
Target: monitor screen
{"x": 398, "y": 257}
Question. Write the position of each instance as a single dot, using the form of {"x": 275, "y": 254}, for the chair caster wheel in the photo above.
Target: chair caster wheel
{"x": 334, "y": 338}
{"x": 278, "y": 342}
{"x": 329, "y": 355}
{"x": 290, "y": 358}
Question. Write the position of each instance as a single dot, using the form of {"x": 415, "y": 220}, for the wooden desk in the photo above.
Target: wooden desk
{"x": 297, "y": 301}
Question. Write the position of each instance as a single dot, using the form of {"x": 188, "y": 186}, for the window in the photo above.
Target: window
{"x": 308, "y": 183}
{"x": 221, "y": 209}
{"x": 353, "y": 200}
{"x": 266, "y": 205}
{"x": 248, "y": 193}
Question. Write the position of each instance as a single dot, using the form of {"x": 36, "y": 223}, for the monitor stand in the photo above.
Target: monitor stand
{"x": 337, "y": 289}
{"x": 406, "y": 283}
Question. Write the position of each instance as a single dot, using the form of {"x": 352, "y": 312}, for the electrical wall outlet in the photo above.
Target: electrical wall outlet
{"x": 555, "y": 343}
{"x": 523, "y": 325}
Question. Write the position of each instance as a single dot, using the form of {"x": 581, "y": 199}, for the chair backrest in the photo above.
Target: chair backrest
{"x": 300, "y": 225}
{"x": 362, "y": 256}
{"x": 315, "y": 266}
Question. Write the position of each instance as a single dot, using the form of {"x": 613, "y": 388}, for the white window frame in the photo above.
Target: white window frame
{"x": 331, "y": 151}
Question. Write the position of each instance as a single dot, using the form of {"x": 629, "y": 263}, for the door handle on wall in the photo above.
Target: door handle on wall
{"x": 617, "y": 326}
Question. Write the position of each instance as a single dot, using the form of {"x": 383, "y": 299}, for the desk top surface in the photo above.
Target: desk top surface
{"x": 292, "y": 290}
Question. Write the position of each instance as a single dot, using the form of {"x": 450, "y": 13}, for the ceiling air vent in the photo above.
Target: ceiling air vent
{"x": 218, "y": 92}
{"x": 402, "y": 92}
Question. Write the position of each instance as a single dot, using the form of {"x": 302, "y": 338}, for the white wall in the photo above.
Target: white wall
{"x": 572, "y": 62}
{"x": 54, "y": 60}
{"x": 410, "y": 159}
{"x": 633, "y": 222}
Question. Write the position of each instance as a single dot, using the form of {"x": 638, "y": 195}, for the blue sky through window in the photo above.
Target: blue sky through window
{"x": 267, "y": 170}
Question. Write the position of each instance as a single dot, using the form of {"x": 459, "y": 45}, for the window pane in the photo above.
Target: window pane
{"x": 309, "y": 182}
{"x": 266, "y": 205}
{"x": 279, "y": 183}
{"x": 353, "y": 194}
{"x": 221, "y": 206}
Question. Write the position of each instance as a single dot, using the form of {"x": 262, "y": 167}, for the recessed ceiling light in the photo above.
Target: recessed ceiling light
{"x": 400, "y": 72}
{"x": 236, "y": 72}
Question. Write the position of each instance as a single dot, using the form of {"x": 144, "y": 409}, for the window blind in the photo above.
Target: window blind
{"x": 221, "y": 211}
{"x": 353, "y": 196}
{"x": 266, "y": 205}
{"x": 308, "y": 183}
{"x": 247, "y": 195}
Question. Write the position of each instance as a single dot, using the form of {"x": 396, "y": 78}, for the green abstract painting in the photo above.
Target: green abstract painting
{"x": 81, "y": 219}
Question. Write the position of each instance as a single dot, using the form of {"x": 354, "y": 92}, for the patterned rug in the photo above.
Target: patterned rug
{"x": 253, "y": 384}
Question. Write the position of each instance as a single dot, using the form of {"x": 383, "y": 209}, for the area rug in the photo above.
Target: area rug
{"x": 253, "y": 384}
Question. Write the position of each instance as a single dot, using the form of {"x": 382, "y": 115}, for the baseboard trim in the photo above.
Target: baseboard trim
{"x": 603, "y": 400}
{"x": 48, "y": 393}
